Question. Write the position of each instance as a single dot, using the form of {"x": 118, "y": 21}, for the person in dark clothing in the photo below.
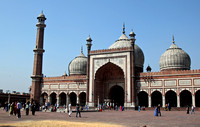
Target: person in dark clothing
{"x": 188, "y": 109}
{"x": 78, "y": 110}
{"x": 159, "y": 112}
{"x": 33, "y": 108}
{"x": 27, "y": 108}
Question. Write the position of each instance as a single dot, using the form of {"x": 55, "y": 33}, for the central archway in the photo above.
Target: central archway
{"x": 108, "y": 79}
{"x": 117, "y": 95}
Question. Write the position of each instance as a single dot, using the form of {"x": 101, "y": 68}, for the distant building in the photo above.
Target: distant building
{"x": 10, "y": 97}
{"x": 115, "y": 75}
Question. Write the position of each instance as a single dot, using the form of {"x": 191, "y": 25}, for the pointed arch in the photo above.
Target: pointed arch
{"x": 106, "y": 77}
{"x": 143, "y": 98}
{"x": 171, "y": 98}
{"x": 185, "y": 98}
{"x": 197, "y": 98}
{"x": 156, "y": 98}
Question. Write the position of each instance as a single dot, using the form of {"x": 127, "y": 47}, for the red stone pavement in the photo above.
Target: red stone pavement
{"x": 129, "y": 118}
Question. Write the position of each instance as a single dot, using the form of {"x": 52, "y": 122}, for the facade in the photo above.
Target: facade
{"x": 115, "y": 75}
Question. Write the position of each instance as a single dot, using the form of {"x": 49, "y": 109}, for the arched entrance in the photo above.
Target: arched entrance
{"x": 156, "y": 98}
{"x": 143, "y": 99}
{"x": 185, "y": 98}
{"x": 197, "y": 98}
{"x": 171, "y": 98}
{"x": 82, "y": 97}
{"x": 53, "y": 98}
{"x": 117, "y": 95}
{"x": 73, "y": 98}
{"x": 44, "y": 98}
{"x": 62, "y": 97}
{"x": 106, "y": 77}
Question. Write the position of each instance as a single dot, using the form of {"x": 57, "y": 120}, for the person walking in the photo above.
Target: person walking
{"x": 188, "y": 109}
{"x": 192, "y": 109}
{"x": 27, "y": 108}
{"x": 78, "y": 110}
{"x": 120, "y": 107}
{"x": 11, "y": 108}
{"x": 156, "y": 112}
{"x": 69, "y": 110}
{"x": 159, "y": 112}
{"x": 19, "y": 107}
{"x": 15, "y": 108}
{"x": 138, "y": 108}
{"x": 33, "y": 108}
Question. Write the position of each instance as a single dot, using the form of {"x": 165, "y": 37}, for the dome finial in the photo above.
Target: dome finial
{"x": 81, "y": 49}
{"x": 123, "y": 28}
{"x": 173, "y": 39}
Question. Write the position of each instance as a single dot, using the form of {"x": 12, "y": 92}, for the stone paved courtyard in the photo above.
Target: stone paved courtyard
{"x": 129, "y": 118}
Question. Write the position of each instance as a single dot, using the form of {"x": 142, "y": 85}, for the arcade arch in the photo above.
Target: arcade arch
{"x": 185, "y": 98}
{"x": 62, "y": 98}
{"x": 44, "y": 98}
{"x": 197, "y": 98}
{"x": 143, "y": 99}
{"x": 73, "y": 98}
{"x": 53, "y": 99}
{"x": 107, "y": 76}
{"x": 156, "y": 98}
{"x": 171, "y": 98}
{"x": 82, "y": 97}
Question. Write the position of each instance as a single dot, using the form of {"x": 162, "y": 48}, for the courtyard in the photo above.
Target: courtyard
{"x": 127, "y": 118}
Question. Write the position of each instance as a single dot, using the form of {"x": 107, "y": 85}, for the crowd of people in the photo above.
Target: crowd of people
{"x": 14, "y": 108}
{"x": 157, "y": 111}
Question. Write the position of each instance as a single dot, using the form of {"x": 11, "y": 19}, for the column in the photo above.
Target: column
{"x": 149, "y": 101}
{"x": 77, "y": 100}
{"x": 49, "y": 99}
{"x": 58, "y": 100}
{"x": 193, "y": 100}
{"x": 67, "y": 100}
{"x": 178, "y": 101}
{"x": 163, "y": 101}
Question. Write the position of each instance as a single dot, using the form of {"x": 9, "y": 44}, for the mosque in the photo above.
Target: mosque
{"x": 115, "y": 75}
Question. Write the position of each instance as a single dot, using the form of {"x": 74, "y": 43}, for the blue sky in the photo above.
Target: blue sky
{"x": 70, "y": 22}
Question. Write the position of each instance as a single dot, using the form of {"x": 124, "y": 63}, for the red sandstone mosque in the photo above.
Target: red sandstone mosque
{"x": 115, "y": 75}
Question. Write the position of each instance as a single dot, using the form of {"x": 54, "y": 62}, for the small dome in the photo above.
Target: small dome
{"x": 148, "y": 68}
{"x": 41, "y": 15}
{"x": 78, "y": 66}
{"x": 123, "y": 42}
{"x": 174, "y": 59}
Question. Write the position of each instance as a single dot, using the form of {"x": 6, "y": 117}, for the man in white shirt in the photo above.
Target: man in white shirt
{"x": 19, "y": 107}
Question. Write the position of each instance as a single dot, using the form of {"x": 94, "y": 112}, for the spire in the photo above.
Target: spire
{"x": 173, "y": 39}
{"x": 123, "y": 28}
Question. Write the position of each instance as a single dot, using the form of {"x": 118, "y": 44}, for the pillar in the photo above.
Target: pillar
{"x": 77, "y": 100}
{"x": 48, "y": 99}
{"x": 58, "y": 100}
{"x": 193, "y": 100}
{"x": 149, "y": 101}
{"x": 163, "y": 101}
{"x": 178, "y": 101}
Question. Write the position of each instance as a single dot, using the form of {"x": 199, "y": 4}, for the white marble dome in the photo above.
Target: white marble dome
{"x": 78, "y": 66}
{"x": 123, "y": 42}
{"x": 174, "y": 58}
